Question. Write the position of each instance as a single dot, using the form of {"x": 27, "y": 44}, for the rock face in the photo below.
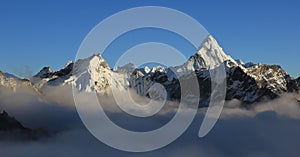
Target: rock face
{"x": 273, "y": 77}
{"x": 258, "y": 82}
{"x": 88, "y": 75}
{"x": 48, "y": 76}
{"x": 209, "y": 56}
{"x": 14, "y": 83}
{"x": 246, "y": 82}
{"x": 11, "y": 129}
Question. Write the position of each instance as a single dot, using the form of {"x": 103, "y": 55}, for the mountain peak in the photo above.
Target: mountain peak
{"x": 44, "y": 73}
{"x": 211, "y": 53}
{"x": 97, "y": 60}
{"x": 210, "y": 43}
{"x": 94, "y": 74}
{"x": 209, "y": 56}
{"x": 127, "y": 68}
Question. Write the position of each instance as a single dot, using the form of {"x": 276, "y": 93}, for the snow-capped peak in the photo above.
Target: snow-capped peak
{"x": 211, "y": 55}
{"x": 8, "y": 75}
{"x": 94, "y": 74}
{"x": 44, "y": 72}
{"x": 13, "y": 82}
{"x": 127, "y": 68}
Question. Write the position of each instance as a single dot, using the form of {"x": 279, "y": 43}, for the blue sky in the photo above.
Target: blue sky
{"x": 34, "y": 34}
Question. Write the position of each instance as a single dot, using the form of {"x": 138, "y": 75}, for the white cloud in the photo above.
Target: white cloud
{"x": 268, "y": 129}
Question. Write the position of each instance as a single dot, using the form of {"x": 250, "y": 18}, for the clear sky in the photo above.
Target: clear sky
{"x": 34, "y": 34}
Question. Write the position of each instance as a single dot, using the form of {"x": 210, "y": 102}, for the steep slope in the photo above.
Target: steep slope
{"x": 94, "y": 74}
{"x": 11, "y": 129}
{"x": 247, "y": 82}
{"x": 13, "y": 83}
{"x": 272, "y": 77}
{"x": 209, "y": 56}
{"x": 47, "y": 76}
{"x": 88, "y": 75}
{"x": 243, "y": 87}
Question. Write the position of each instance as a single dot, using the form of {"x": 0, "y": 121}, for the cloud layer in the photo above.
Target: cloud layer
{"x": 268, "y": 129}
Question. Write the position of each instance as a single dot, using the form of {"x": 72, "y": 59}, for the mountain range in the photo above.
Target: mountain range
{"x": 247, "y": 82}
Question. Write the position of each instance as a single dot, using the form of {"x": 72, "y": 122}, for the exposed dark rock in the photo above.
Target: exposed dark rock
{"x": 257, "y": 83}
{"x": 11, "y": 129}
{"x": 248, "y": 82}
{"x": 66, "y": 71}
{"x": 46, "y": 72}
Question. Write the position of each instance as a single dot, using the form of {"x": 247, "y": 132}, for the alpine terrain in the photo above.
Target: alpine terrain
{"x": 248, "y": 82}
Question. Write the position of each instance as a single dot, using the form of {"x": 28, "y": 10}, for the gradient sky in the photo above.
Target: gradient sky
{"x": 34, "y": 34}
